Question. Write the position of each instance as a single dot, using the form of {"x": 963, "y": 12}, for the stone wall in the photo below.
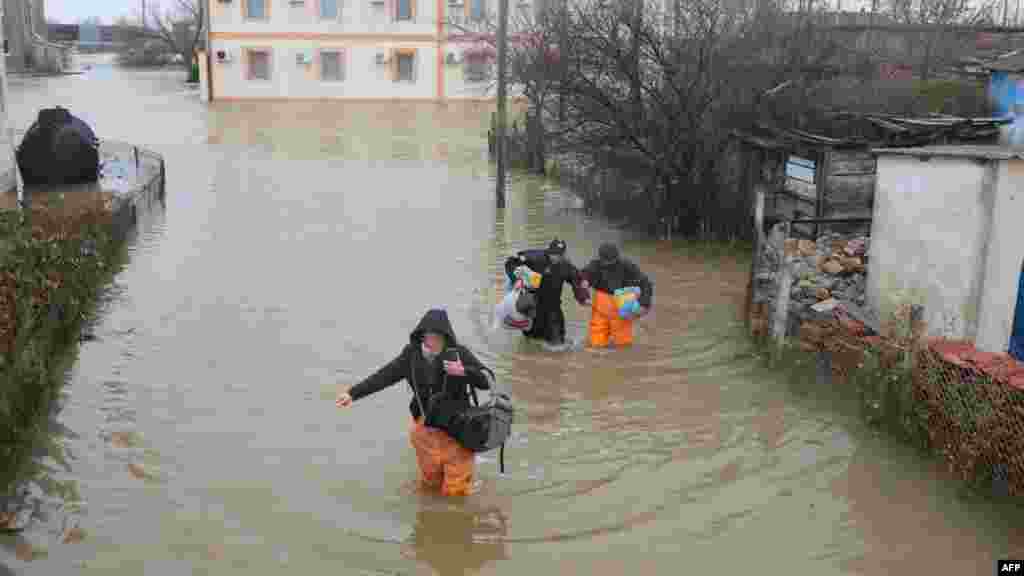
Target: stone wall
{"x": 822, "y": 275}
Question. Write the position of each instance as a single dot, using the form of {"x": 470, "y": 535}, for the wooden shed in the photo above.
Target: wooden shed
{"x": 830, "y": 179}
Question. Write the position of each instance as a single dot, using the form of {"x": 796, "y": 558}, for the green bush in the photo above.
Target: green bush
{"x": 52, "y": 267}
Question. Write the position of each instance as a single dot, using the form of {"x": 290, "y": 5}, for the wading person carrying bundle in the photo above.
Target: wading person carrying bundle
{"x": 446, "y": 429}
{"x": 622, "y": 293}
{"x": 555, "y": 269}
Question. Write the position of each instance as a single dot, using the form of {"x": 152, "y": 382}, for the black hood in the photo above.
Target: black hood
{"x": 435, "y": 320}
{"x": 608, "y": 254}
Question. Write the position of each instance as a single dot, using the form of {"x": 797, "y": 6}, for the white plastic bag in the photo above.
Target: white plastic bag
{"x": 507, "y": 317}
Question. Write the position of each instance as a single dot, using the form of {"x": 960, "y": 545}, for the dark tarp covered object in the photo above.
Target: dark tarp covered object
{"x": 58, "y": 148}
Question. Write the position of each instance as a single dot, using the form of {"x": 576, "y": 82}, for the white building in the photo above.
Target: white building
{"x": 946, "y": 234}
{"x": 8, "y": 167}
{"x": 348, "y": 49}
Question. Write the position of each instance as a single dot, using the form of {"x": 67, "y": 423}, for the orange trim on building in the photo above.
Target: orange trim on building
{"x": 349, "y": 36}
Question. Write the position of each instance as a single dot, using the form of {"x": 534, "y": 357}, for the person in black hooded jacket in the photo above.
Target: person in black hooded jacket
{"x": 440, "y": 372}
{"x": 555, "y": 270}
{"x": 606, "y": 274}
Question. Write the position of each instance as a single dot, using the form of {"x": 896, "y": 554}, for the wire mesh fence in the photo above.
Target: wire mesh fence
{"x": 965, "y": 406}
{"x": 972, "y": 407}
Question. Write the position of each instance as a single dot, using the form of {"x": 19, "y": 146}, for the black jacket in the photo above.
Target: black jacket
{"x": 430, "y": 381}
{"x": 619, "y": 275}
{"x": 553, "y": 275}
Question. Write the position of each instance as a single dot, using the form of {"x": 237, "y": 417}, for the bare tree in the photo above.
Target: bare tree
{"x": 179, "y": 28}
{"x": 939, "y": 45}
{"x": 532, "y": 65}
{"x": 659, "y": 86}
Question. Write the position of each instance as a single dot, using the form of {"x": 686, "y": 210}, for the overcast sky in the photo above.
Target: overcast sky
{"x": 71, "y": 11}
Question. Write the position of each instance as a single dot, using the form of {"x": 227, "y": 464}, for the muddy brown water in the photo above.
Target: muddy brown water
{"x": 298, "y": 247}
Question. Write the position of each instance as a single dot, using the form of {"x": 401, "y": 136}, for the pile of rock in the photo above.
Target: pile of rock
{"x": 831, "y": 268}
{"x": 826, "y": 274}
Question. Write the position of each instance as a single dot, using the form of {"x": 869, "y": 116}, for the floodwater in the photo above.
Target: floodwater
{"x": 298, "y": 247}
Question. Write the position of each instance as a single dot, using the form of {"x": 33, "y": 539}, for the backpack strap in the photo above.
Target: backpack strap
{"x": 476, "y": 402}
{"x": 415, "y": 389}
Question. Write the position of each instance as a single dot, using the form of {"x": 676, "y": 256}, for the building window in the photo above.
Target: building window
{"x": 405, "y": 66}
{"x": 331, "y": 69}
{"x": 258, "y": 66}
{"x": 404, "y": 10}
{"x": 256, "y": 9}
{"x": 475, "y": 68}
{"x": 476, "y": 10}
{"x": 329, "y": 9}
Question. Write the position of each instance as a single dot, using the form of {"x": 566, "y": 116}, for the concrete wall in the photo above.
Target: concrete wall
{"x": 204, "y": 76}
{"x": 364, "y": 78}
{"x": 15, "y": 19}
{"x": 1003, "y": 259}
{"x": 8, "y": 168}
{"x": 25, "y": 50}
{"x": 926, "y": 239}
{"x": 363, "y": 28}
{"x": 356, "y": 17}
{"x": 946, "y": 235}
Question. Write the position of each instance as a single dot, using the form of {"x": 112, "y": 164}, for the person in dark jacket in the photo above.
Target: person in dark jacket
{"x": 440, "y": 372}
{"x": 606, "y": 274}
{"x": 555, "y": 270}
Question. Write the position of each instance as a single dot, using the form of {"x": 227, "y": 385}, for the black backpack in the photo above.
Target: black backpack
{"x": 479, "y": 428}
{"x": 482, "y": 428}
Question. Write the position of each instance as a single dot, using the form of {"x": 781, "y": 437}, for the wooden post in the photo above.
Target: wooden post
{"x": 758, "y": 243}
{"x": 822, "y": 168}
{"x": 781, "y": 316}
{"x": 502, "y": 89}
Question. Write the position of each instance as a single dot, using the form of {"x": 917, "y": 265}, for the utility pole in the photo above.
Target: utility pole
{"x": 499, "y": 145}
{"x": 143, "y": 14}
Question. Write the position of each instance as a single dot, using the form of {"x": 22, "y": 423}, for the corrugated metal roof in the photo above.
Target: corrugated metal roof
{"x": 974, "y": 152}
{"x": 1012, "y": 62}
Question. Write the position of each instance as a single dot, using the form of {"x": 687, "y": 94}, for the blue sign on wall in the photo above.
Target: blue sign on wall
{"x": 1007, "y": 92}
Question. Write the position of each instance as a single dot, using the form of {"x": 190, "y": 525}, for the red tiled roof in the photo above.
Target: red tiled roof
{"x": 1000, "y": 366}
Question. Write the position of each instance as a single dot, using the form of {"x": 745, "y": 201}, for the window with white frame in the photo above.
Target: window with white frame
{"x": 258, "y": 64}
{"x": 332, "y": 68}
{"x": 256, "y": 9}
{"x": 404, "y": 9}
{"x": 405, "y": 66}
{"x": 329, "y": 9}
{"x": 476, "y": 10}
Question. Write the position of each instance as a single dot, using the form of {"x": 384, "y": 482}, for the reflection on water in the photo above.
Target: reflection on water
{"x": 299, "y": 246}
{"x": 459, "y": 539}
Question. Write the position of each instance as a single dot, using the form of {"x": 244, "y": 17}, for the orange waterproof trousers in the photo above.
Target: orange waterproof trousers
{"x": 443, "y": 462}
{"x": 605, "y": 323}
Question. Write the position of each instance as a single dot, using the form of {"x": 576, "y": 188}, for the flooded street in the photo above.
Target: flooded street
{"x": 300, "y": 244}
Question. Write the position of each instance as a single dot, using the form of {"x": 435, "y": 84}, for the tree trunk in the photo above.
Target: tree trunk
{"x": 636, "y": 87}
